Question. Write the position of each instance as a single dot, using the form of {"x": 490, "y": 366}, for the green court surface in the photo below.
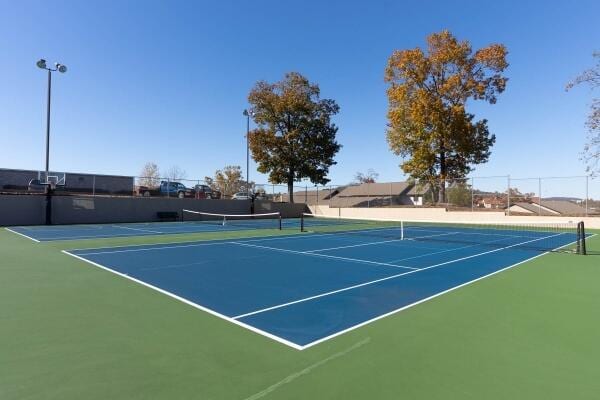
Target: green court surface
{"x": 72, "y": 331}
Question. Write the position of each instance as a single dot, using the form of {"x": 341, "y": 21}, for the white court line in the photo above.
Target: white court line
{"x": 448, "y": 250}
{"x": 304, "y": 253}
{"x": 374, "y": 243}
{"x": 467, "y": 233}
{"x": 188, "y": 302}
{"x": 86, "y": 237}
{"x": 136, "y": 229}
{"x": 201, "y": 242}
{"x": 384, "y": 279}
{"x": 355, "y": 245}
{"x": 22, "y": 234}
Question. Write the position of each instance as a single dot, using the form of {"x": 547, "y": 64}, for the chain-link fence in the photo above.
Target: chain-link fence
{"x": 573, "y": 196}
{"x": 547, "y": 196}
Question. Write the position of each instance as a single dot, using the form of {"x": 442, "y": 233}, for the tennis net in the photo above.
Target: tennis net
{"x": 242, "y": 221}
{"x": 542, "y": 236}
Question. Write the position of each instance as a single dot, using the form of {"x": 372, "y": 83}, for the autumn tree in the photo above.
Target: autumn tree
{"x": 175, "y": 173}
{"x": 368, "y": 177}
{"x": 228, "y": 180}
{"x": 428, "y": 124}
{"x": 295, "y": 137}
{"x": 459, "y": 194}
{"x": 591, "y": 150}
{"x": 149, "y": 175}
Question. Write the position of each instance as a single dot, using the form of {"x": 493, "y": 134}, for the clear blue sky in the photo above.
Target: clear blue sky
{"x": 167, "y": 81}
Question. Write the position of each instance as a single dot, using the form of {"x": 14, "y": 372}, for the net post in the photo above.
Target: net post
{"x": 581, "y": 241}
{"x": 280, "y": 222}
{"x": 224, "y": 220}
{"x": 302, "y": 223}
{"x": 182, "y": 213}
{"x": 578, "y": 249}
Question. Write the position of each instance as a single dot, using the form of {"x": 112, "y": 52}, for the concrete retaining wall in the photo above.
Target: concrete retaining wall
{"x": 97, "y": 210}
{"x": 287, "y": 210}
{"x": 31, "y": 209}
{"x": 22, "y": 210}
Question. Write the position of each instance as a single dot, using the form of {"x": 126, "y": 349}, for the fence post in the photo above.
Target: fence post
{"x": 586, "y": 194}
{"x": 391, "y": 195}
{"x": 472, "y": 198}
{"x": 317, "y": 200}
{"x": 508, "y": 196}
{"x": 94, "y": 185}
{"x": 540, "y": 196}
{"x": 305, "y": 194}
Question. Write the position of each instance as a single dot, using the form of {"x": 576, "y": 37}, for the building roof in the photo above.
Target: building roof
{"x": 553, "y": 207}
{"x": 320, "y": 196}
{"x": 564, "y": 207}
{"x": 384, "y": 189}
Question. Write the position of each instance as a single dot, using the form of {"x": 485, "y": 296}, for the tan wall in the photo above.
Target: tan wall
{"x": 440, "y": 214}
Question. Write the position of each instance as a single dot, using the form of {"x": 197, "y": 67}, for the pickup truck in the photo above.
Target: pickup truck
{"x": 171, "y": 189}
{"x": 177, "y": 189}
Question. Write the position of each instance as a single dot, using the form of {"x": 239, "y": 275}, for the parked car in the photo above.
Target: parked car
{"x": 204, "y": 192}
{"x": 242, "y": 196}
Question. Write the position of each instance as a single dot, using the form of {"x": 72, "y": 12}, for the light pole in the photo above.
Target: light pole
{"x": 248, "y": 114}
{"x": 62, "y": 69}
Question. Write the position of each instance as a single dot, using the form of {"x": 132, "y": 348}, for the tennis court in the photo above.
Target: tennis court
{"x": 242, "y": 311}
{"x": 302, "y": 289}
{"x": 207, "y": 222}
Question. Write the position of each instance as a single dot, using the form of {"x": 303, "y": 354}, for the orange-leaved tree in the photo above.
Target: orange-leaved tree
{"x": 295, "y": 137}
{"x": 428, "y": 122}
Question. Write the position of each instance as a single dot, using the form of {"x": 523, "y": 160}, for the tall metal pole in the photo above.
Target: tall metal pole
{"x": 48, "y": 127}
{"x": 41, "y": 63}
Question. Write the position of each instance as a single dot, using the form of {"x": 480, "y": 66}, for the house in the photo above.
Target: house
{"x": 493, "y": 202}
{"x": 381, "y": 195}
{"x": 548, "y": 208}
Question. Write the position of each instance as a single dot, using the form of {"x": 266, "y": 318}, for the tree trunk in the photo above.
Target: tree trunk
{"x": 442, "y": 183}
{"x": 290, "y": 185}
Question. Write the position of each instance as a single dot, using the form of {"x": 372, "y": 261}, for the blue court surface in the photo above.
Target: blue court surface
{"x": 303, "y": 289}
{"x": 46, "y": 233}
